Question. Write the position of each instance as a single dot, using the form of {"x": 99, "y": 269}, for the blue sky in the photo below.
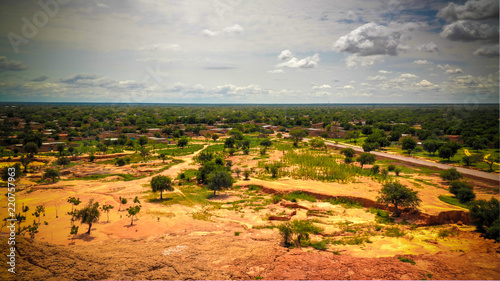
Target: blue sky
{"x": 239, "y": 51}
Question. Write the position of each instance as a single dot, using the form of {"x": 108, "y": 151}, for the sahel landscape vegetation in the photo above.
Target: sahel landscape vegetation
{"x": 249, "y": 140}
{"x": 252, "y": 192}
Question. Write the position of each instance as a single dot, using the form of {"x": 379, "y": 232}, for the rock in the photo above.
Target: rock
{"x": 293, "y": 205}
{"x": 460, "y": 223}
{"x": 278, "y": 218}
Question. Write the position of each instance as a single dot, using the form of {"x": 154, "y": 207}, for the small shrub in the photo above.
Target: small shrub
{"x": 397, "y": 170}
{"x": 276, "y": 199}
{"x": 391, "y": 167}
{"x": 232, "y": 151}
{"x": 299, "y": 195}
{"x": 237, "y": 233}
{"x": 465, "y": 195}
{"x": 375, "y": 169}
{"x": 246, "y": 151}
{"x": 450, "y": 174}
{"x": 394, "y": 232}
{"x": 456, "y": 185}
{"x": 348, "y": 160}
{"x": 120, "y": 162}
{"x": 403, "y": 259}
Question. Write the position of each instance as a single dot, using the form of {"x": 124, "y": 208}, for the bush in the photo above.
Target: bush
{"x": 456, "y": 185}
{"x": 232, "y": 151}
{"x": 347, "y": 152}
{"x": 276, "y": 199}
{"x": 375, "y": 169}
{"x": 298, "y": 232}
{"x": 397, "y": 170}
{"x": 348, "y": 160}
{"x": 63, "y": 161}
{"x": 391, "y": 167}
{"x": 450, "y": 174}
{"x": 485, "y": 216}
{"x": 246, "y": 151}
{"x": 465, "y": 195}
{"x": 120, "y": 162}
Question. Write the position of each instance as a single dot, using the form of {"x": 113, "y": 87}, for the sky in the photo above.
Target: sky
{"x": 242, "y": 51}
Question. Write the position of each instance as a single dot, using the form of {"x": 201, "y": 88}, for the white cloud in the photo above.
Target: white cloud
{"x": 209, "y": 33}
{"x": 454, "y": 71}
{"x": 352, "y": 61}
{"x": 348, "y": 87}
{"x": 429, "y": 47}
{"x": 285, "y": 55}
{"x": 408, "y": 75}
{"x": 471, "y": 10}
{"x": 384, "y": 71}
{"x": 487, "y": 51}
{"x": 465, "y": 30}
{"x": 307, "y": 62}
{"x": 426, "y": 84}
{"x": 102, "y": 5}
{"x": 6, "y": 65}
{"x": 234, "y": 29}
{"x": 373, "y": 39}
{"x": 376, "y": 78}
{"x": 322, "y": 87}
{"x": 422, "y": 62}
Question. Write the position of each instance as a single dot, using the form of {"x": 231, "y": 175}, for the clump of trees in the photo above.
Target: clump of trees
{"x": 450, "y": 174}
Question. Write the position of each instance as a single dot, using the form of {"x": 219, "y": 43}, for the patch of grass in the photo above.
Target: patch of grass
{"x": 263, "y": 227}
{"x": 403, "y": 259}
{"x": 181, "y": 151}
{"x": 254, "y": 187}
{"x": 346, "y": 203}
{"x": 202, "y": 215}
{"x": 299, "y": 195}
{"x": 443, "y": 233}
{"x": 452, "y": 201}
{"x": 394, "y": 232}
{"x": 319, "y": 245}
{"x": 381, "y": 216}
{"x": 237, "y": 233}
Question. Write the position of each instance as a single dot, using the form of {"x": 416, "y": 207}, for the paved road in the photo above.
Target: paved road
{"x": 465, "y": 171}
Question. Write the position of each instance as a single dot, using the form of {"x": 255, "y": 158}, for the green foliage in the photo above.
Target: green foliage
{"x": 63, "y": 161}
{"x": 120, "y": 162}
{"x": 485, "y": 216}
{"x": 465, "y": 195}
{"x": 293, "y": 196}
{"x": 182, "y": 142}
{"x": 345, "y": 202}
{"x": 161, "y": 183}
{"x": 319, "y": 166}
{"x": 366, "y": 158}
{"x": 452, "y": 201}
{"x": 399, "y": 195}
{"x": 297, "y": 232}
{"x": 391, "y": 167}
{"x": 31, "y": 148}
{"x": 297, "y": 136}
{"x": 89, "y": 214}
{"x": 51, "y": 174}
{"x": 375, "y": 169}
{"x": 219, "y": 180}
{"x": 450, "y": 174}
{"x": 347, "y": 152}
{"x": 276, "y": 198}
{"x": 397, "y": 170}
{"x": 403, "y": 259}
{"x": 317, "y": 143}
{"x": 456, "y": 185}
{"x": 394, "y": 232}
{"x": 132, "y": 212}
{"x": 266, "y": 142}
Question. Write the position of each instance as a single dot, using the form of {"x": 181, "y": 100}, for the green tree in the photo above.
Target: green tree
{"x": 51, "y": 174}
{"x": 347, "y": 152}
{"x": 122, "y": 201}
{"x": 143, "y": 140}
{"x": 207, "y": 136}
{"x": 297, "y": 232}
{"x": 182, "y": 142}
{"x": 297, "y": 136}
{"x": 63, "y": 161}
{"x": 89, "y": 214}
{"x": 317, "y": 143}
{"x": 366, "y": 158}
{"x": 132, "y": 212}
{"x": 74, "y": 202}
{"x": 486, "y": 217}
{"x": 25, "y": 161}
{"x": 31, "y": 148}
{"x": 215, "y": 136}
{"x": 91, "y": 157}
{"x": 229, "y": 143}
{"x": 409, "y": 144}
{"x": 448, "y": 150}
{"x": 266, "y": 143}
{"x": 219, "y": 180}
{"x": 430, "y": 145}
{"x": 399, "y": 195}
{"x": 490, "y": 160}
{"x": 107, "y": 209}
{"x": 60, "y": 148}
{"x": 161, "y": 183}
{"x": 456, "y": 185}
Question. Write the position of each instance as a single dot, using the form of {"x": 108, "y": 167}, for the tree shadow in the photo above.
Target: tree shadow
{"x": 158, "y": 200}
{"x": 84, "y": 236}
{"x": 218, "y": 196}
